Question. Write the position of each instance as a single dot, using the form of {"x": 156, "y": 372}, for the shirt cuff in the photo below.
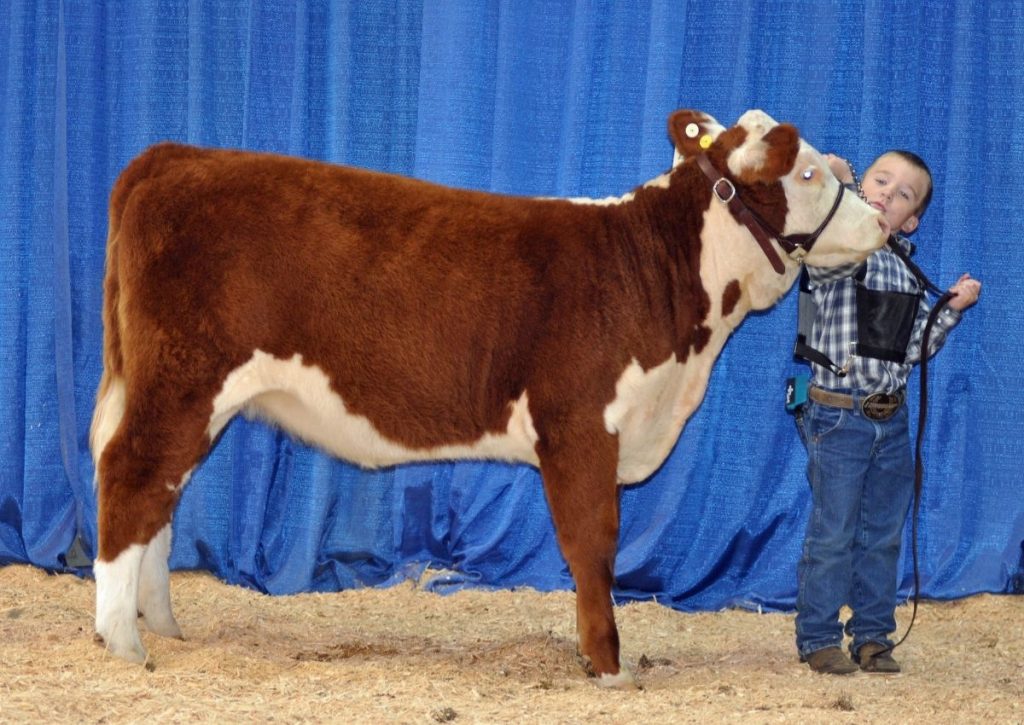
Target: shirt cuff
{"x": 949, "y": 317}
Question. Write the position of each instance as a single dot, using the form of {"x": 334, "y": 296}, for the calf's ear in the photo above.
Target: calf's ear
{"x": 768, "y": 158}
{"x": 692, "y": 132}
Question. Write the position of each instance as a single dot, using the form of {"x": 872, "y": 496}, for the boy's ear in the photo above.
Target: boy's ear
{"x": 910, "y": 224}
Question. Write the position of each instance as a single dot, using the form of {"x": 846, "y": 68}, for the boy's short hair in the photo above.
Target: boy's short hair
{"x": 915, "y": 160}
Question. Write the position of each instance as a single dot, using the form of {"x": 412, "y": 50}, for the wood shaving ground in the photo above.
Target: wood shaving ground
{"x": 407, "y": 655}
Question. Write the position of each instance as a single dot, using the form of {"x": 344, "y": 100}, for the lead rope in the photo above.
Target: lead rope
{"x": 922, "y": 416}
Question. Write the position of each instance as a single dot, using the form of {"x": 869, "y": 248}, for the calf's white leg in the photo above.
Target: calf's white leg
{"x": 140, "y": 472}
{"x": 117, "y": 596}
{"x": 155, "y": 587}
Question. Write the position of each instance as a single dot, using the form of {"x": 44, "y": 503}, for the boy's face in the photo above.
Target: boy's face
{"x": 896, "y": 188}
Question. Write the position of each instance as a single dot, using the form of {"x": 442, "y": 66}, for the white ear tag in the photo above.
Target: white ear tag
{"x": 692, "y": 130}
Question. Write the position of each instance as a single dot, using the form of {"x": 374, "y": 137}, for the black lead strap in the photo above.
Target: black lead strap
{"x": 922, "y": 417}
{"x": 914, "y": 269}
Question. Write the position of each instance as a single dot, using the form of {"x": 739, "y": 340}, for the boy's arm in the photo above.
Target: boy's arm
{"x": 967, "y": 291}
{"x": 945, "y": 322}
{"x": 842, "y": 169}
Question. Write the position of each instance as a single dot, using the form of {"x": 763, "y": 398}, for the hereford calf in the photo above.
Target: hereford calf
{"x": 387, "y": 320}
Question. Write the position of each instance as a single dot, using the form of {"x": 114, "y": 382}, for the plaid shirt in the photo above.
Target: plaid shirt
{"x": 835, "y": 324}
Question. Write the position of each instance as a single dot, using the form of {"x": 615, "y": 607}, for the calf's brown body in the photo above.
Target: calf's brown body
{"x": 438, "y": 319}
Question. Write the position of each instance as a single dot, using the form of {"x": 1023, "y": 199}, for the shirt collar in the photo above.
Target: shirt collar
{"x": 905, "y": 244}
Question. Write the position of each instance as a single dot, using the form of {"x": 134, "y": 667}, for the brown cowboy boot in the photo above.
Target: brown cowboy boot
{"x": 877, "y": 659}
{"x": 830, "y": 661}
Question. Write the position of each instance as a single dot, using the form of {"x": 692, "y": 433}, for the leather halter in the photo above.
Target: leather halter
{"x": 796, "y": 245}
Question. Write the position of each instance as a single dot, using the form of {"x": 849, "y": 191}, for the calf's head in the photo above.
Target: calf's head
{"x": 786, "y": 183}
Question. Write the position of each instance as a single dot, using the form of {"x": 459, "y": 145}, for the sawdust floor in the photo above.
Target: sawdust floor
{"x": 406, "y": 655}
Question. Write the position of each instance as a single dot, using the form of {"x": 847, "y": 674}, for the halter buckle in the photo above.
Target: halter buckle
{"x": 731, "y": 190}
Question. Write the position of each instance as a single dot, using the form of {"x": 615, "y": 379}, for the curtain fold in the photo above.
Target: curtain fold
{"x": 543, "y": 97}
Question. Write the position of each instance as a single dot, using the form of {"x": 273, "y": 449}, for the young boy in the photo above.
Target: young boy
{"x": 855, "y": 428}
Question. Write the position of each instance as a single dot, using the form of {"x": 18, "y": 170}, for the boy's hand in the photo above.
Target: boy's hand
{"x": 967, "y": 291}
{"x": 840, "y": 167}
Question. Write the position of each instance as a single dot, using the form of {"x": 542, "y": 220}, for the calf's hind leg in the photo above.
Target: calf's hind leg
{"x": 140, "y": 474}
{"x": 579, "y": 473}
{"x": 154, "y": 587}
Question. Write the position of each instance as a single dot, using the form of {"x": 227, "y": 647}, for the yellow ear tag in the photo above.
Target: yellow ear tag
{"x": 706, "y": 141}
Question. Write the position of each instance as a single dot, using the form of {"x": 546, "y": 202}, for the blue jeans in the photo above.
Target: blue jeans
{"x": 862, "y": 480}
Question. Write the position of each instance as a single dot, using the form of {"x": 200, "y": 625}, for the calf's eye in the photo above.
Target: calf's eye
{"x": 808, "y": 174}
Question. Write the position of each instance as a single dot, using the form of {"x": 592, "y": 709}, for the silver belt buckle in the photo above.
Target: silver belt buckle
{"x": 881, "y": 406}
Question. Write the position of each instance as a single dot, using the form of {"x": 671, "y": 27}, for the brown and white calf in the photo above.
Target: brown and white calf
{"x": 386, "y": 320}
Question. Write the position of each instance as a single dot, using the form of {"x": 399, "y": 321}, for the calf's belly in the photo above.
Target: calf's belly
{"x": 299, "y": 398}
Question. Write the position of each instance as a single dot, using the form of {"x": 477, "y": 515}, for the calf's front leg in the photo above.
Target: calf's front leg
{"x": 579, "y": 471}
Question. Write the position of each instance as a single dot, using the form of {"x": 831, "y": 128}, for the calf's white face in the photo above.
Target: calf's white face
{"x": 854, "y": 232}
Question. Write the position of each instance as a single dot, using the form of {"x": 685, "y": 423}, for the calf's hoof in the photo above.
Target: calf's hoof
{"x": 165, "y": 626}
{"x": 624, "y": 680}
{"x": 128, "y": 651}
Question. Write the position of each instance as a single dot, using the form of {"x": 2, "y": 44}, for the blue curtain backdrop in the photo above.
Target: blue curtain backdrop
{"x": 540, "y": 97}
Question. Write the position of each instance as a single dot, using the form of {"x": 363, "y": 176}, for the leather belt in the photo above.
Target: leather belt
{"x": 877, "y": 406}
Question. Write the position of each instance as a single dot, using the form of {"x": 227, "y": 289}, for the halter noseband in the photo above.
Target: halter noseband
{"x": 796, "y": 245}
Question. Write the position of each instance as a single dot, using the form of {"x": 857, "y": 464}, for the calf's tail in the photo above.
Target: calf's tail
{"x": 110, "y": 395}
